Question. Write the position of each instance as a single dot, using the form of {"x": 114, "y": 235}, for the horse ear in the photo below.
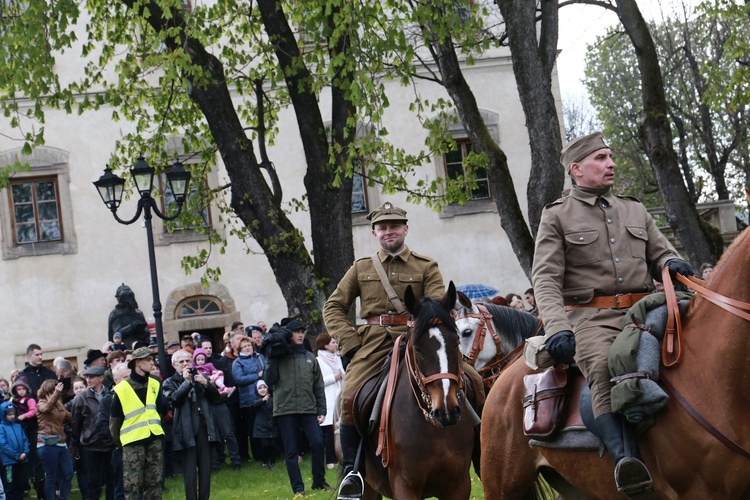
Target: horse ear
{"x": 449, "y": 299}
{"x": 747, "y": 194}
{"x": 410, "y": 300}
{"x": 463, "y": 299}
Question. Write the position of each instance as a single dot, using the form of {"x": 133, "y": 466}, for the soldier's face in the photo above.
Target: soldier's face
{"x": 596, "y": 171}
{"x": 391, "y": 235}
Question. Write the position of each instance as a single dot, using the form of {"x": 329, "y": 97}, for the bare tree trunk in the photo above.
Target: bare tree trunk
{"x": 533, "y": 62}
{"x": 511, "y": 216}
{"x": 656, "y": 137}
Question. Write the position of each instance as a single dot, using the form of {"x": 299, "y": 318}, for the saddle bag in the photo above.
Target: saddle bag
{"x": 545, "y": 403}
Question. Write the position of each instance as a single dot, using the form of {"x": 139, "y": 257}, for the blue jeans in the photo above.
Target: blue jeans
{"x": 289, "y": 426}
{"x": 58, "y": 467}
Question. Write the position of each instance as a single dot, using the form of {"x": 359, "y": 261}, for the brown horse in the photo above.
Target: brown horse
{"x": 684, "y": 458}
{"x": 429, "y": 429}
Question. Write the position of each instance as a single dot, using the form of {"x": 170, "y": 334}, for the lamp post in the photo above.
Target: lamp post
{"x": 111, "y": 188}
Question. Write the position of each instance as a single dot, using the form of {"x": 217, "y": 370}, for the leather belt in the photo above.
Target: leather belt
{"x": 387, "y": 320}
{"x": 619, "y": 301}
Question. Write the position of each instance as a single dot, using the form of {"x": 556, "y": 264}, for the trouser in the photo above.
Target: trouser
{"x": 142, "y": 470}
{"x": 595, "y": 331}
{"x": 198, "y": 456}
{"x": 15, "y": 478}
{"x": 225, "y": 429}
{"x": 248, "y": 422}
{"x": 329, "y": 443}
{"x": 99, "y": 473}
{"x": 58, "y": 469}
{"x": 268, "y": 450}
{"x": 289, "y": 426}
{"x": 240, "y": 433}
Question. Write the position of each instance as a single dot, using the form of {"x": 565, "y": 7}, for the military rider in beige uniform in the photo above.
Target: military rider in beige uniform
{"x": 367, "y": 345}
{"x": 595, "y": 256}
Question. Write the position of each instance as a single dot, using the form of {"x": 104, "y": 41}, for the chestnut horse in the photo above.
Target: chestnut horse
{"x": 684, "y": 458}
{"x": 429, "y": 429}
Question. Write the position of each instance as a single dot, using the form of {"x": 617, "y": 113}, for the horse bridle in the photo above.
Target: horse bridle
{"x": 491, "y": 370}
{"x": 419, "y": 380}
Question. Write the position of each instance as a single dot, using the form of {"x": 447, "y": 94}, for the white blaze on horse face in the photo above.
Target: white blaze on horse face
{"x": 442, "y": 354}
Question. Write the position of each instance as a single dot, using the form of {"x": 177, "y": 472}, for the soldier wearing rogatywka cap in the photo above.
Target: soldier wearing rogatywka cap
{"x": 368, "y": 344}
{"x": 596, "y": 254}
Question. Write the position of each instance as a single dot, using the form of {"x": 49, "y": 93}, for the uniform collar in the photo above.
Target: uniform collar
{"x": 590, "y": 198}
{"x": 404, "y": 255}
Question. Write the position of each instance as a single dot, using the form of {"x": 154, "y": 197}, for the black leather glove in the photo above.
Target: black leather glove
{"x": 562, "y": 347}
{"x": 678, "y": 266}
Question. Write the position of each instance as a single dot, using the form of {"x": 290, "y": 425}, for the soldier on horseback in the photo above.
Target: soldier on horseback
{"x": 383, "y": 313}
{"x": 595, "y": 256}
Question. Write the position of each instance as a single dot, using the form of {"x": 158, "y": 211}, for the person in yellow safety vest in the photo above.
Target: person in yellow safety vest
{"x": 135, "y": 424}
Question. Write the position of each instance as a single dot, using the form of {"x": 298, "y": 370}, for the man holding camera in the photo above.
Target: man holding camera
{"x": 299, "y": 399}
{"x": 190, "y": 395}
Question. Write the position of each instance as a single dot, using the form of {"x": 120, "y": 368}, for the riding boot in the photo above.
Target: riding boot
{"x": 352, "y": 486}
{"x": 631, "y": 475}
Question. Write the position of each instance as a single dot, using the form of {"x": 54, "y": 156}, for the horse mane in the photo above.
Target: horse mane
{"x": 428, "y": 313}
{"x": 513, "y": 326}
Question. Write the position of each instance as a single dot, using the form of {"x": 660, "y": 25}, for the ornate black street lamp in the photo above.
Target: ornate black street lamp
{"x": 111, "y": 188}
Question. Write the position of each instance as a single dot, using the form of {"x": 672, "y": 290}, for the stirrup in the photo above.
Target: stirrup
{"x": 347, "y": 487}
{"x": 632, "y": 477}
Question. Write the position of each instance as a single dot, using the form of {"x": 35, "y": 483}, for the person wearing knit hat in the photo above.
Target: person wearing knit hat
{"x": 595, "y": 255}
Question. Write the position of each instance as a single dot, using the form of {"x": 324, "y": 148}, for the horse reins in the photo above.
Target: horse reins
{"x": 493, "y": 369}
{"x": 416, "y": 377}
{"x": 673, "y": 343}
{"x": 420, "y": 380}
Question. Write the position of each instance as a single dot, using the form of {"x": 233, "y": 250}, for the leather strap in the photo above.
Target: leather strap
{"x": 383, "y": 451}
{"x": 619, "y": 301}
{"x": 387, "y": 320}
{"x": 736, "y": 307}
{"x": 392, "y": 295}
{"x": 728, "y": 442}
{"x": 671, "y": 347}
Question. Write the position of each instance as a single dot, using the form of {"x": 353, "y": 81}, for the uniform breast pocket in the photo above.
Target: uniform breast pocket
{"x": 582, "y": 247}
{"x": 415, "y": 280}
{"x": 368, "y": 284}
{"x": 638, "y": 239}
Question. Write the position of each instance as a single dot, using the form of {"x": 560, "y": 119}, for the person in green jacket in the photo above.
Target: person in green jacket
{"x": 299, "y": 401}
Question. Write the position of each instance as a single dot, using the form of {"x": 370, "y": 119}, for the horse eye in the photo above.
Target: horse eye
{"x": 466, "y": 332}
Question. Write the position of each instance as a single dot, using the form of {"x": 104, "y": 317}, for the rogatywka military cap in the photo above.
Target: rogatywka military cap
{"x": 385, "y": 212}
{"x": 579, "y": 148}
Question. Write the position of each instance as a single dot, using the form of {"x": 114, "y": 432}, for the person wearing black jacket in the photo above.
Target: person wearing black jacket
{"x": 222, "y": 417}
{"x": 191, "y": 395}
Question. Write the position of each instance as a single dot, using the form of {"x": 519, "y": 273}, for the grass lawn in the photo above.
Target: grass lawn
{"x": 252, "y": 481}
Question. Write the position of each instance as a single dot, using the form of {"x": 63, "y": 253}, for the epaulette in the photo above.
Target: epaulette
{"x": 628, "y": 197}
{"x": 556, "y": 202}
{"x": 423, "y": 257}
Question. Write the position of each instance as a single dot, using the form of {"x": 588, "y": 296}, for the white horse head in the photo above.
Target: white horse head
{"x": 469, "y": 321}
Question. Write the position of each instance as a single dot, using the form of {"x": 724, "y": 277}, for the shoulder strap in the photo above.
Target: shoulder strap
{"x": 392, "y": 295}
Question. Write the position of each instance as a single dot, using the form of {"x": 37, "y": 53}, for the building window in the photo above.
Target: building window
{"x": 36, "y": 213}
{"x": 199, "y": 306}
{"x": 454, "y": 169}
{"x": 359, "y": 194}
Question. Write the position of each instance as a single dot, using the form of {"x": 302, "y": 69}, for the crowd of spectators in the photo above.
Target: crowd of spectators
{"x": 121, "y": 426}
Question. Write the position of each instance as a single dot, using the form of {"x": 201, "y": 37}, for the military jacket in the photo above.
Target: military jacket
{"x": 588, "y": 246}
{"x": 361, "y": 280}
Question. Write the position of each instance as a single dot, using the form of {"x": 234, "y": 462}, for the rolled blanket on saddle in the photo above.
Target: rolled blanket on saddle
{"x": 635, "y": 357}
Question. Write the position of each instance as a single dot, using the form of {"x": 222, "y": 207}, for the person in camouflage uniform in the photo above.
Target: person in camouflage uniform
{"x": 139, "y": 434}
